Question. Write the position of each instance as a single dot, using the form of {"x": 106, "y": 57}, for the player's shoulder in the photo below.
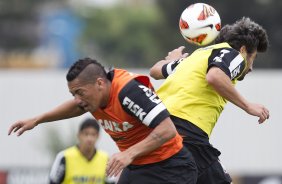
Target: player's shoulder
{"x": 60, "y": 156}
{"x": 224, "y": 52}
{"x": 225, "y": 47}
{"x": 71, "y": 151}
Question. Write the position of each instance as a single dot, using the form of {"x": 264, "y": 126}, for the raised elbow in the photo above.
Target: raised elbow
{"x": 166, "y": 130}
{"x": 172, "y": 134}
{"x": 210, "y": 79}
{"x": 154, "y": 73}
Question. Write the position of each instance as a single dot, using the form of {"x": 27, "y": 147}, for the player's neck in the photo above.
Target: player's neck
{"x": 107, "y": 96}
{"x": 88, "y": 153}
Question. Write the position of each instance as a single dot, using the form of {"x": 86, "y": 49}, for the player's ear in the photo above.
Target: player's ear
{"x": 243, "y": 49}
{"x": 101, "y": 82}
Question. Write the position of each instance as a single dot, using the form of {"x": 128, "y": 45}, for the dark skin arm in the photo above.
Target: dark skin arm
{"x": 66, "y": 110}
{"x": 223, "y": 86}
{"x": 160, "y": 135}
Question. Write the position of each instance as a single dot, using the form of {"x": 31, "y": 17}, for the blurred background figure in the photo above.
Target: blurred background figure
{"x": 82, "y": 163}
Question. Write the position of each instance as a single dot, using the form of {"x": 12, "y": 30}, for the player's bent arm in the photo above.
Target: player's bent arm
{"x": 171, "y": 60}
{"x": 66, "y": 110}
{"x": 162, "y": 133}
{"x": 156, "y": 70}
{"x": 223, "y": 85}
{"x": 154, "y": 115}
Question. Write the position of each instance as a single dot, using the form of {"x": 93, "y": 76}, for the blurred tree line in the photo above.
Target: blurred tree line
{"x": 19, "y": 23}
{"x": 17, "y": 20}
{"x": 123, "y": 36}
{"x": 136, "y": 35}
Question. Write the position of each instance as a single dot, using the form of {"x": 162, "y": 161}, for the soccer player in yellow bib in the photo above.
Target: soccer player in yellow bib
{"x": 197, "y": 88}
{"x": 82, "y": 163}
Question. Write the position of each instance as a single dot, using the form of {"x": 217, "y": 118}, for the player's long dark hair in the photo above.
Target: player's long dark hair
{"x": 90, "y": 73}
{"x": 244, "y": 32}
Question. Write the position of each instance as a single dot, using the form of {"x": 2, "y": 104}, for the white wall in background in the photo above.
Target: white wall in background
{"x": 246, "y": 146}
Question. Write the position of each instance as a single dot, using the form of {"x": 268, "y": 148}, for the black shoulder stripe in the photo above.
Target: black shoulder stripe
{"x": 228, "y": 60}
{"x": 143, "y": 103}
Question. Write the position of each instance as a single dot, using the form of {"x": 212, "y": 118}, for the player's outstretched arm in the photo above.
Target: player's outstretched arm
{"x": 222, "y": 84}
{"x": 160, "y": 135}
{"x": 176, "y": 54}
{"x": 66, "y": 110}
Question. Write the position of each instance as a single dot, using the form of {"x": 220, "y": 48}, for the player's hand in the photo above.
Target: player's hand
{"x": 20, "y": 127}
{"x": 176, "y": 54}
{"x": 117, "y": 163}
{"x": 259, "y": 111}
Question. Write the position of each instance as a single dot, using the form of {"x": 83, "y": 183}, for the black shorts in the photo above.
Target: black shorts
{"x": 215, "y": 174}
{"x": 178, "y": 169}
{"x": 206, "y": 156}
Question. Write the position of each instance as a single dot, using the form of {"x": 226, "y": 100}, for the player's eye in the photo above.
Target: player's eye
{"x": 79, "y": 93}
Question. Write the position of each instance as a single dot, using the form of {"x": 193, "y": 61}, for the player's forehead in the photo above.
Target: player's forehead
{"x": 88, "y": 130}
{"x": 77, "y": 84}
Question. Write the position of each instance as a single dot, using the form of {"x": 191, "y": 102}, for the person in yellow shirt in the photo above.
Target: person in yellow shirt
{"x": 83, "y": 163}
{"x": 197, "y": 88}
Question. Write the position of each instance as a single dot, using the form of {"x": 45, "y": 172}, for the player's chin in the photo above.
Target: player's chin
{"x": 90, "y": 108}
{"x": 90, "y": 145}
{"x": 87, "y": 108}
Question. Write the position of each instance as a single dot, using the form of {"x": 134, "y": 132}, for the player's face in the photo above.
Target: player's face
{"x": 249, "y": 57}
{"x": 87, "y": 95}
{"x": 88, "y": 138}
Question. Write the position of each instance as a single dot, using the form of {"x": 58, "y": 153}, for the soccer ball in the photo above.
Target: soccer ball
{"x": 199, "y": 24}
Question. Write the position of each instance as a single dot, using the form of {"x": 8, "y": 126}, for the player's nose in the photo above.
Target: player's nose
{"x": 77, "y": 100}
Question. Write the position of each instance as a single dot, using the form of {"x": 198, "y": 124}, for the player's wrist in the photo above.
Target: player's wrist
{"x": 131, "y": 153}
{"x": 36, "y": 121}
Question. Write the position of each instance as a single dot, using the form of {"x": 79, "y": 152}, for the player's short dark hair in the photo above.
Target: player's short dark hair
{"x": 91, "y": 74}
{"x": 89, "y": 122}
{"x": 244, "y": 32}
